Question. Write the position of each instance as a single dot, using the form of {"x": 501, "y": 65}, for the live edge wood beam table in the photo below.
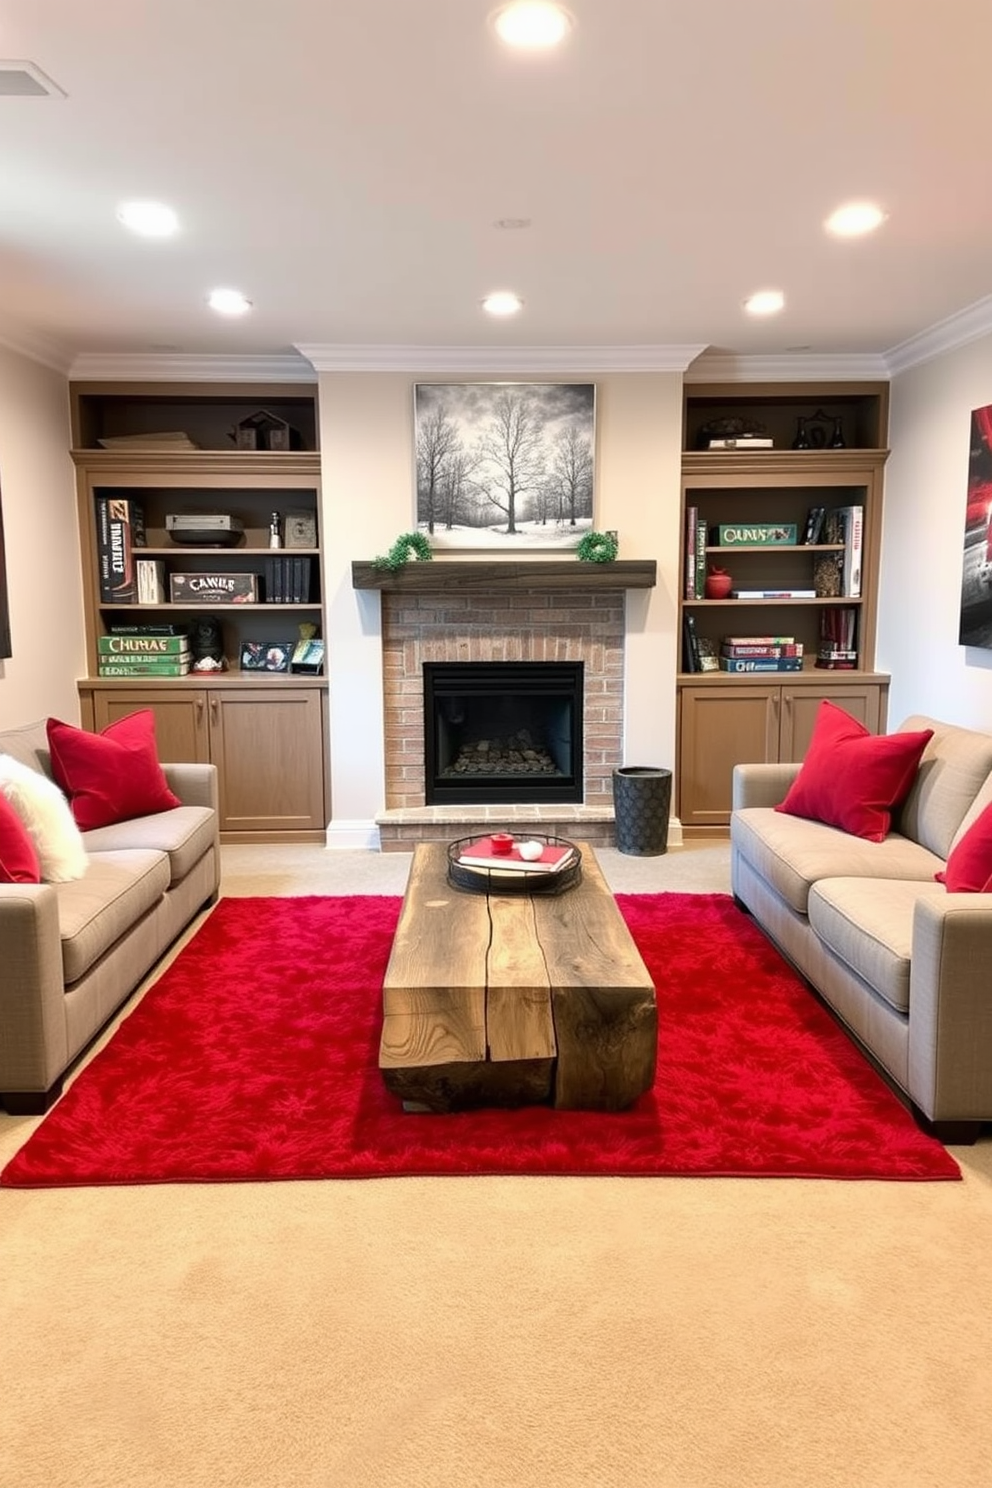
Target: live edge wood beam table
{"x": 496, "y": 999}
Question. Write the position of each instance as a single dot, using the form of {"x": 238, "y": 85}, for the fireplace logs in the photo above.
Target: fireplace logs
{"x": 515, "y": 755}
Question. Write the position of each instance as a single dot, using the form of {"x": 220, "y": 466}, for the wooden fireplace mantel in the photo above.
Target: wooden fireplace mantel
{"x": 422, "y": 578}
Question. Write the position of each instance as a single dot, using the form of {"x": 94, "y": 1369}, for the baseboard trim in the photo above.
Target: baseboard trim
{"x": 353, "y": 834}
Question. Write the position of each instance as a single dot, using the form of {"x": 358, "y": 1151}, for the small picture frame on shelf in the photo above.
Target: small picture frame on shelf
{"x": 301, "y": 529}
{"x": 308, "y": 657}
{"x": 266, "y": 656}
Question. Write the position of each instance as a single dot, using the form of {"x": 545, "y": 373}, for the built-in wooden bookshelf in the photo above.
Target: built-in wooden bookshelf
{"x": 723, "y": 718}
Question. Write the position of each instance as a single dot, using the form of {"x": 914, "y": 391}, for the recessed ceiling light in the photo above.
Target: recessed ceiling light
{"x": 854, "y": 219}
{"x": 502, "y": 302}
{"x": 149, "y": 218}
{"x": 533, "y": 24}
{"x": 765, "y": 302}
{"x": 512, "y": 224}
{"x": 228, "y": 302}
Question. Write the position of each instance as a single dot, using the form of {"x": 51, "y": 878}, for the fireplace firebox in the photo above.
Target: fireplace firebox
{"x": 507, "y": 732}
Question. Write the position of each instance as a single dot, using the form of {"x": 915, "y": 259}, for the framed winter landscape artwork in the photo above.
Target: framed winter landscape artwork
{"x": 504, "y": 465}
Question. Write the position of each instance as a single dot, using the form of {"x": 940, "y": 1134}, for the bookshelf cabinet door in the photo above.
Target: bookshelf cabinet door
{"x": 719, "y": 727}
{"x": 867, "y": 702}
{"x": 269, "y": 749}
{"x": 180, "y": 719}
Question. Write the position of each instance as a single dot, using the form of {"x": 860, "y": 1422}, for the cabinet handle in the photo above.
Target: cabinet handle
{"x": 199, "y": 707}
{"x": 214, "y": 710}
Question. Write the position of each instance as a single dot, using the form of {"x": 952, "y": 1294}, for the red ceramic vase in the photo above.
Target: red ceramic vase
{"x": 718, "y": 584}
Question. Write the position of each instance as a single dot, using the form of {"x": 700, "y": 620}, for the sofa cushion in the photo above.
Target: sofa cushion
{"x": 969, "y": 867}
{"x": 18, "y": 859}
{"x": 792, "y": 854}
{"x": 111, "y": 776}
{"x": 955, "y": 766}
{"x": 45, "y": 813}
{"x": 851, "y": 778}
{"x": 97, "y": 910}
{"x": 184, "y": 834}
{"x": 29, "y": 745}
{"x": 871, "y": 931}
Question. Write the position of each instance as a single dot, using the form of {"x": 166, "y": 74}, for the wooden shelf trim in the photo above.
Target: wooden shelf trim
{"x": 809, "y": 676}
{"x": 302, "y": 463}
{"x": 421, "y": 578}
{"x": 781, "y": 462}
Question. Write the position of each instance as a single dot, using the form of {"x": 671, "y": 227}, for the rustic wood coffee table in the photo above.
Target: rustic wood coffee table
{"x": 515, "y": 999}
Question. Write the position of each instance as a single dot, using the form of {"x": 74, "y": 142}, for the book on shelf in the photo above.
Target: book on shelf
{"x": 773, "y": 593}
{"x": 814, "y": 524}
{"x": 138, "y": 646}
{"x": 690, "y": 644}
{"x": 701, "y": 535}
{"x": 123, "y": 666}
{"x": 482, "y": 854}
{"x": 742, "y": 441}
{"x": 761, "y": 663}
{"x": 784, "y": 648}
{"x": 167, "y": 628}
{"x": 149, "y": 576}
{"x": 120, "y": 528}
{"x": 853, "y": 520}
{"x": 691, "y": 518}
{"x": 837, "y": 629}
{"x": 758, "y": 640}
{"x": 757, "y": 534}
{"x": 838, "y": 661}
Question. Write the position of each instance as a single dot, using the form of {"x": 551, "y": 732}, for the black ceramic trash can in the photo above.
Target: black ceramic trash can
{"x": 642, "y": 802}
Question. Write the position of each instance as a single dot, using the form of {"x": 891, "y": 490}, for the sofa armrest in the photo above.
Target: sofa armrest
{"x": 762, "y": 785}
{"x": 950, "y": 1007}
{"x": 195, "y": 785}
{"x": 34, "y": 1048}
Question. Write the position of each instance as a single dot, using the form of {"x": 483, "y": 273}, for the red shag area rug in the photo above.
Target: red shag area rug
{"x": 255, "y": 1056}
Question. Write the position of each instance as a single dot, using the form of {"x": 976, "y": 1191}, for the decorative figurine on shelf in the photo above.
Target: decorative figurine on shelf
{"x": 837, "y": 440}
{"x": 207, "y": 645}
{"x": 801, "y": 440}
{"x": 275, "y": 533}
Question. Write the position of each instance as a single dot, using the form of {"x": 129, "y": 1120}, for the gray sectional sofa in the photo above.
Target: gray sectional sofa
{"x": 71, "y": 953}
{"x": 904, "y": 964}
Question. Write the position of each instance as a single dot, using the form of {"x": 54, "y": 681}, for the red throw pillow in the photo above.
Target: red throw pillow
{"x": 853, "y": 779}
{"x": 18, "y": 859}
{"x": 110, "y": 776}
{"x": 969, "y": 867}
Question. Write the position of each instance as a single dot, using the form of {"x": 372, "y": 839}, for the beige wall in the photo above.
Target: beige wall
{"x": 366, "y": 434}
{"x": 37, "y": 487}
{"x": 922, "y": 539}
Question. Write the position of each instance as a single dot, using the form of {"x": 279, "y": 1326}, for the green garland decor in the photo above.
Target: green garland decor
{"x": 407, "y": 544}
{"x": 597, "y": 547}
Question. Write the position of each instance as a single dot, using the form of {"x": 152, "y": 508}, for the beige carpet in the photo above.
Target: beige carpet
{"x": 496, "y": 1332}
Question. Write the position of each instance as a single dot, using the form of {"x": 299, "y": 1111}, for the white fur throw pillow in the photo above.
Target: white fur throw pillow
{"x": 47, "y": 818}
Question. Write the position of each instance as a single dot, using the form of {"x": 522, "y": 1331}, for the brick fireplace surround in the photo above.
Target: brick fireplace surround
{"x": 498, "y": 625}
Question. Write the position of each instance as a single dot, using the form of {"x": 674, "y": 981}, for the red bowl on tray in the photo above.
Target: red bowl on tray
{"x": 502, "y": 842}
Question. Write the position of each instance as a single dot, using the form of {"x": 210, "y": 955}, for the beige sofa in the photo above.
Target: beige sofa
{"x": 71, "y": 953}
{"x": 905, "y": 965}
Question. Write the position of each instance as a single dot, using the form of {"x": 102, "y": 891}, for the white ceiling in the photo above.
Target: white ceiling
{"x": 344, "y": 165}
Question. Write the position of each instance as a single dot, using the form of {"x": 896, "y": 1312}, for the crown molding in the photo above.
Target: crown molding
{"x": 37, "y": 349}
{"x": 788, "y": 367}
{"x": 957, "y": 330}
{"x": 99, "y": 366}
{"x": 489, "y": 359}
